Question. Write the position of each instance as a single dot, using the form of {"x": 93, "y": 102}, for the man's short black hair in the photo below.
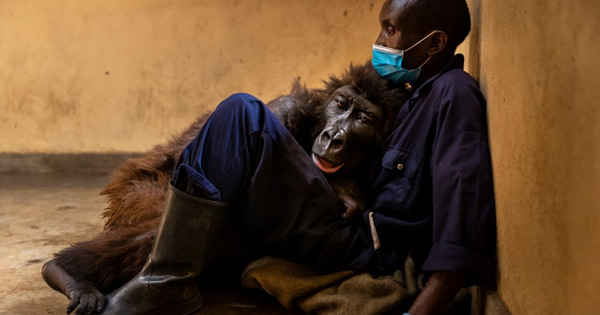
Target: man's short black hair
{"x": 450, "y": 16}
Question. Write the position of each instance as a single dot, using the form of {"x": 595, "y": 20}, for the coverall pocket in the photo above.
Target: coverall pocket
{"x": 403, "y": 166}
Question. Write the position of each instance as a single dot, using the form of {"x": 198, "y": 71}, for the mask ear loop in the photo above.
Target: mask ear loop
{"x": 421, "y": 66}
{"x": 417, "y": 43}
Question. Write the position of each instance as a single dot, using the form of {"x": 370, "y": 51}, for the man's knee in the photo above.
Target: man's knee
{"x": 240, "y": 102}
{"x": 240, "y": 112}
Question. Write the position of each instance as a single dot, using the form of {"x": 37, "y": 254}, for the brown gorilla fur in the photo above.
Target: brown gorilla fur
{"x": 137, "y": 190}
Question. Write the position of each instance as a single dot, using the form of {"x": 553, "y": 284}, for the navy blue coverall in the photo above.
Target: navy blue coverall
{"x": 431, "y": 189}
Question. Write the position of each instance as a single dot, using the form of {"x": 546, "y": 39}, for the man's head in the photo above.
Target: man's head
{"x": 406, "y": 22}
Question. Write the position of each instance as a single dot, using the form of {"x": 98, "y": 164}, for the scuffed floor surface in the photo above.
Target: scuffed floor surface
{"x": 41, "y": 214}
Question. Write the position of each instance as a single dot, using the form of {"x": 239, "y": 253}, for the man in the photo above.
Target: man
{"x": 432, "y": 189}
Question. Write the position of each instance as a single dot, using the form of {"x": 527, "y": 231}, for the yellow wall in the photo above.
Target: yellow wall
{"x": 537, "y": 62}
{"x": 114, "y": 75}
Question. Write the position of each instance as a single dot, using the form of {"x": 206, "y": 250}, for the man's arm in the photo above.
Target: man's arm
{"x": 463, "y": 201}
{"x": 438, "y": 293}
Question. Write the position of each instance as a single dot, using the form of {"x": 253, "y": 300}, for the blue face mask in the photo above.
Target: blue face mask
{"x": 388, "y": 63}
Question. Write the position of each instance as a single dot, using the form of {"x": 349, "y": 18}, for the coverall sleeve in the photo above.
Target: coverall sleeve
{"x": 464, "y": 223}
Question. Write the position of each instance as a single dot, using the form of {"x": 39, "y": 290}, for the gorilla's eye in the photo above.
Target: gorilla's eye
{"x": 365, "y": 119}
{"x": 339, "y": 104}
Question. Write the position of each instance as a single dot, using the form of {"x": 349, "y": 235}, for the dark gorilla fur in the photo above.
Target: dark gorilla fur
{"x": 137, "y": 190}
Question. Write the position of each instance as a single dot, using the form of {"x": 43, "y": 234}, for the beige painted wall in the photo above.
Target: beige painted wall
{"x": 114, "y": 76}
{"x": 537, "y": 62}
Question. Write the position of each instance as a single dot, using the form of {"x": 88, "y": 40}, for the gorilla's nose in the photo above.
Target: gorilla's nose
{"x": 334, "y": 139}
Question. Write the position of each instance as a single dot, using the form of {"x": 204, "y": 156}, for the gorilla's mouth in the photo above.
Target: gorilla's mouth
{"x": 326, "y": 166}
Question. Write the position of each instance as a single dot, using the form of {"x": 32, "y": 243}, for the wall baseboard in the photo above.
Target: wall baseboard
{"x": 76, "y": 163}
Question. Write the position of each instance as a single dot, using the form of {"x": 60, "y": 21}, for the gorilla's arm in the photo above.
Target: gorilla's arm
{"x": 301, "y": 112}
{"x": 86, "y": 270}
{"x": 283, "y": 107}
{"x": 78, "y": 291}
{"x": 299, "y": 117}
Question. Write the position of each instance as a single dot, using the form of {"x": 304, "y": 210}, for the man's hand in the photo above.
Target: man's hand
{"x": 438, "y": 293}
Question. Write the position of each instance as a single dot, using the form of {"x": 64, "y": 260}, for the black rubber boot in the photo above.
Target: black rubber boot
{"x": 189, "y": 230}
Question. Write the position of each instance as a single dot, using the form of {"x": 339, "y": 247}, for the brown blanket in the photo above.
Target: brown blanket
{"x": 345, "y": 292}
{"x": 298, "y": 287}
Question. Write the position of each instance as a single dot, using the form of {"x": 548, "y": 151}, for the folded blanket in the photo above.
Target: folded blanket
{"x": 345, "y": 292}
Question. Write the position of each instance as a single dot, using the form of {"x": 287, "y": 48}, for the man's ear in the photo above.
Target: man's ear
{"x": 437, "y": 42}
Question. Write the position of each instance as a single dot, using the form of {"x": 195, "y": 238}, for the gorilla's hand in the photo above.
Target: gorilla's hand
{"x": 85, "y": 297}
{"x": 353, "y": 207}
{"x": 348, "y": 192}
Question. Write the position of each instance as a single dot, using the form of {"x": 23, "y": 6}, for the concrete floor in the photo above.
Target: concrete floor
{"x": 41, "y": 214}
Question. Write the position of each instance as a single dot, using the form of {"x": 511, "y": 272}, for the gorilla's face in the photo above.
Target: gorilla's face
{"x": 352, "y": 125}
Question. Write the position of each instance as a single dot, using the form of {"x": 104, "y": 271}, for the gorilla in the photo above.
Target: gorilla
{"x": 342, "y": 126}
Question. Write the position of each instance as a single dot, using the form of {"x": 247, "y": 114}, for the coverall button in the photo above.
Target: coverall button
{"x": 399, "y": 166}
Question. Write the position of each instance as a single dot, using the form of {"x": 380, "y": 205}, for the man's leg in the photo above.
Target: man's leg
{"x": 246, "y": 156}
{"x": 243, "y": 156}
